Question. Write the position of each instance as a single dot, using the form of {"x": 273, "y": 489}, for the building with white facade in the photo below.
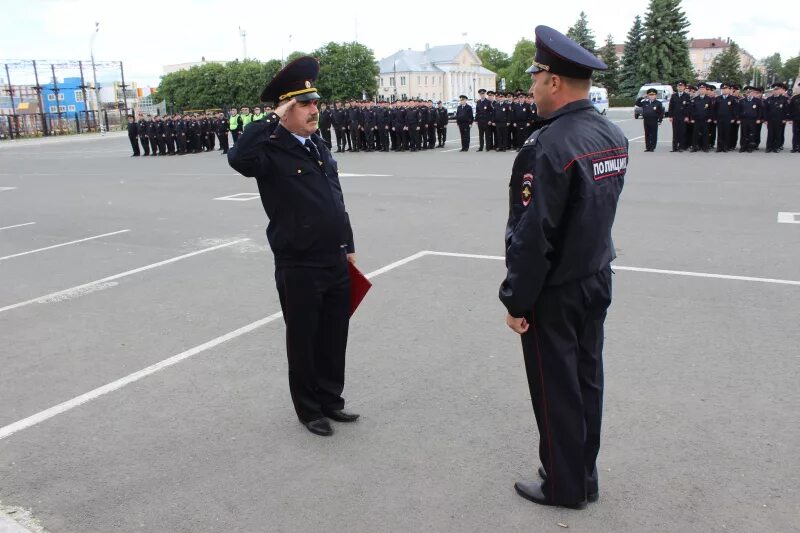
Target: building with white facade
{"x": 437, "y": 73}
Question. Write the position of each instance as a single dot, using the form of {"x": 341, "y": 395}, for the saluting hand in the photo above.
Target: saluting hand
{"x": 284, "y": 107}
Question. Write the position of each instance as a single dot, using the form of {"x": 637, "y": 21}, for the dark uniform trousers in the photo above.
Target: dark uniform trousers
{"x": 222, "y": 135}
{"x": 134, "y": 143}
{"x": 145, "y": 144}
{"x": 563, "y": 360}
{"x": 463, "y": 129}
{"x": 326, "y": 135}
{"x": 748, "y": 134}
{"x": 701, "y": 139}
{"x": 796, "y": 134}
{"x": 775, "y": 134}
{"x": 316, "y": 309}
{"x": 651, "y": 133}
{"x": 501, "y": 139}
{"x": 678, "y": 133}
{"x": 441, "y": 134}
{"x": 484, "y": 135}
{"x": 154, "y": 143}
{"x": 235, "y": 135}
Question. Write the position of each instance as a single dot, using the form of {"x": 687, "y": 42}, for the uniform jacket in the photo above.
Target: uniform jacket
{"x": 726, "y": 108}
{"x": 502, "y": 112}
{"x": 483, "y": 110}
{"x": 302, "y": 196}
{"x": 701, "y": 109}
{"x": 133, "y": 129}
{"x": 751, "y": 109}
{"x": 441, "y": 117}
{"x": 651, "y": 111}
{"x": 776, "y": 108}
{"x": 464, "y": 115}
{"x": 143, "y": 127}
{"x": 679, "y": 106}
{"x": 563, "y": 194}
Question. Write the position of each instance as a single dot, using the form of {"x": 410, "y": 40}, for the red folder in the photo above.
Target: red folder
{"x": 359, "y": 285}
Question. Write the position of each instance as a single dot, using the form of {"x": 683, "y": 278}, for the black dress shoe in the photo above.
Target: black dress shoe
{"x": 340, "y": 415}
{"x": 673, "y": 151}
{"x": 591, "y": 497}
{"x": 532, "y": 491}
{"x": 321, "y": 427}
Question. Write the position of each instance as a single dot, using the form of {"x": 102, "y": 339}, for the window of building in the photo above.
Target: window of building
{"x": 62, "y": 108}
{"x": 381, "y": 82}
{"x": 54, "y": 109}
{"x": 392, "y": 81}
{"x": 60, "y": 97}
{"x": 402, "y": 80}
{"x": 51, "y": 97}
{"x": 79, "y": 96}
{"x": 70, "y": 108}
{"x": 426, "y": 80}
{"x": 418, "y": 80}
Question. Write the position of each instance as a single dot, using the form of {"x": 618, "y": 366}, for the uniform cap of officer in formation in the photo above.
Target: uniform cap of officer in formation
{"x": 558, "y": 54}
{"x": 481, "y": 91}
{"x": 681, "y": 82}
{"x": 295, "y": 80}
{"x": 704, "y": 86}
{"x": 652, "y": 91}
{"x": 463, "y": 96}
{"x": 778, "y": 85}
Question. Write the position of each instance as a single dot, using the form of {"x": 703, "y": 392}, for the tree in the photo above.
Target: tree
{"x": 664, "y": 54}
{"x": 609, "y": 78}
{"x": 521, "y": 60}
{"x": 790, "y": 69}
{"x": 772, "y": 67}
{"x": 493, "y": 59}
{"x": 629, "y": 79}
{"x": 581, "y": 34}
{"x": 727, "y": 66}
{"x": 346, "y": 70}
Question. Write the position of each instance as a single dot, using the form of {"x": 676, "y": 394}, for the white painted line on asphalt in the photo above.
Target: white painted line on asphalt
{"x": 636, "y": 138}
{"x": 7, "y": 189}
{"x": 783, "y": 218}
{"x": 348, "y": 175}
{"x": 639, "y": 269}
{"x": 17, "y": 225}
{"x": 239, "y": 197}
{"x": 64, "y": 244}
{"x": 41, "y": 416}
{"x": 81, "y": 289}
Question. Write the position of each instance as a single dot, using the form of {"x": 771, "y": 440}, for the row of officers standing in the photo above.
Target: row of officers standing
{"x": 702, "y": 119}
{"x": 177, "y": 134}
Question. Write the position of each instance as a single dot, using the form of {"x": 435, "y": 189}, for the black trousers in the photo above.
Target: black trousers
{"x": 650, "y": 133}
{"x": 181, "y": 140}
{"x": 700, "y": 141}
{"x": 678, "y": 133}
{"x": 775, "y": 132}
{"x": 748, "y": 134}
{"x": 484, "y": 137}
{"x": 724, "y": 135}
{"x": 223, "y": 141}
{"x": 563, "y": 350}
{"x": 145, "y": 144}
{"x": 235, "y": 135}
{"x": 340, "y": 140}
{"x": 326, "y": 135}
{"x": 383, "y": 138}
{"x": 153, "y": 144}
{"x": 520, "y": 135}
{"x": 431, "y": 135}
{"x": 413, "y": 138}
{"x": 162, "y": 144}
{"x": 734, "y": 135}
{"x": 501, "y": 136}
{"x": 441, "y": 134}
{"x": 758, "y": 134}
{"x": 134, "y": 144}
{"x": 463, "y": 129}
{"x": 316, "y": 309}
{"x": 796, "y": 134}
{"x": 348, "y": 135}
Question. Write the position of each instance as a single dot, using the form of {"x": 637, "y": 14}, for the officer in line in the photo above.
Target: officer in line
{"x": 689, "y": 141}
{"x": 519, "y": 119}
{"x": 678, "y": 113}
{"x": 758, "y": 93}
{"x": 222, "y": 126}
{"x": 725, "y": 113}
{"x": 325, "y": 120}
{"x": 483, "y": 115}
{"x": 441, "y": 124}
{"x": 751, "y": 113}
{"x": 700, "y": 118}
{"x": 736, "y": 92}
{"x": 338, "y": 119}
{"x": 143, "y": 127}
{"x": 653, "y": 114}
{"x": 464, "y": 120}
{"x": 776, "y": 115}
{"x": 565, "y": 184}
{"x": 310, "y": 235}
{"x": 133, "y": 135}
{"x": 794, "y": 116}
{"x": 500, "y": 121}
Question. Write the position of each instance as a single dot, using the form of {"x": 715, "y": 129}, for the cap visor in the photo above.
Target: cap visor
{"x": 533, "y": 69}
{"x": 306, "y": 97}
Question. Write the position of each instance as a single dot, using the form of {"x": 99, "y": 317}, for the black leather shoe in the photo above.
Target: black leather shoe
{"x": 321, "y": 427}
{"x": 532, "y": 491}
{"x": 591, "y": 497}
{"x": 340, "y": 415}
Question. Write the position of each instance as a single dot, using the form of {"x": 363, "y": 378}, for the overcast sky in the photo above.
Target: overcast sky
{"x": 148, "y": 34}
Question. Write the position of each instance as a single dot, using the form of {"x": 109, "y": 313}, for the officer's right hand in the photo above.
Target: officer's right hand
{"x": 284, "y": 107}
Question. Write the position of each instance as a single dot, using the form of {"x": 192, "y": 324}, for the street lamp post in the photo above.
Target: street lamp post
{"x": 94, "y": 75}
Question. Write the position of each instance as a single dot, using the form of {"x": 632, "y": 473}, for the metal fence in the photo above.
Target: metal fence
{"x": 47, "y": 124}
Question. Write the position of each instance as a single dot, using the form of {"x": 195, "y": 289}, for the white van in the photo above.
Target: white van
{"x": 599, "y": 98}
{"x": 663, "y": 93}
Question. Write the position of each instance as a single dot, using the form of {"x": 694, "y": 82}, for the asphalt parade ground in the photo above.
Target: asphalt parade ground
{"x": 143, "y": 373}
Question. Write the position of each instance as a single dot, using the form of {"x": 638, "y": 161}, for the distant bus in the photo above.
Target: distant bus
{"x": 599, "y": 98}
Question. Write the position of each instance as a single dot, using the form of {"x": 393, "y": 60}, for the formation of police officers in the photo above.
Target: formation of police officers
{"x": 701, "y": 119}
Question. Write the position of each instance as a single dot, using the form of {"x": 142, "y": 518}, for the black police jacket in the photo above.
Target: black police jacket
{"x": 325, "y": 120}
{"x": 502, "y": 112}
{"x": 651, "y": 111}
{"x": 776, "y": 108}
{"x": 441, "y": 117}
{"x": 563, "y": 194}
{"x": 751, "y": 109}
{"x": 483, "y": 111}
{"x": 794, "y": 107}
{"x": 143, "y": 127}
{"x": 679, "y": 106}
{"x": 337, "y": 117}
{"x": 726, "y": 108}
{"x": 464, "y": 115}
{"x": 700, "y": 110}
{"x": 302, "y": 196}
{"x": 133, "y": 129}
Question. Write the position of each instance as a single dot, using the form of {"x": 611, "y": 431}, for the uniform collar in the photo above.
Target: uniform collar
{"x": 577, "y": 105}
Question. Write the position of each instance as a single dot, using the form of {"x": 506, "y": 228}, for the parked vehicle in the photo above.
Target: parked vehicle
{"x": 599, "y": 98}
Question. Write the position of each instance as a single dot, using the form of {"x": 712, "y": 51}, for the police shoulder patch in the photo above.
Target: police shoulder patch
{"x": 527, "y": 189}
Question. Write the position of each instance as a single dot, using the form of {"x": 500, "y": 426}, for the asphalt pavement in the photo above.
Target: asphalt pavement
{"x": 143, "y": 372}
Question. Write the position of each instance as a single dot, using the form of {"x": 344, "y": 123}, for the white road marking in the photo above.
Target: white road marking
{"x": 41, "y": 416}
{"x": 348, "y": 175}
{"x": 636, "y": 138}
{"x": 240, "y": 197}
{"x": 783, "y": 218}
{"x": 64, "y": 244}
{"x": 7, "y": 189}
{"x": 17, "y": 225}
{"x": 639, "y": 269}
{"x": 67, "y": 293}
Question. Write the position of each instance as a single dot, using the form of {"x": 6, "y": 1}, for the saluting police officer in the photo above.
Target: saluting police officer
{"x": 565, "y": 184}
{"x": 310, "y": 235}
{"x": 652, "y": 115}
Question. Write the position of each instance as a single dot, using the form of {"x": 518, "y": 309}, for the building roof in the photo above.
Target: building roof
{"x": 709, "y": 43}
{"x": 434, "y": 59}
